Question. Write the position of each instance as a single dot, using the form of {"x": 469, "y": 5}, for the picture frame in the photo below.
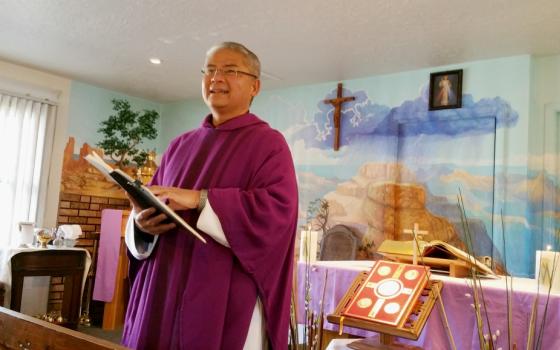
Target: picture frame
{"x": 446, "y": 90}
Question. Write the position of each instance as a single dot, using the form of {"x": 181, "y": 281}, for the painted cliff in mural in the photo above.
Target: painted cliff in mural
{"x": 79, "y": 177}
{"x": 401, "y": 165}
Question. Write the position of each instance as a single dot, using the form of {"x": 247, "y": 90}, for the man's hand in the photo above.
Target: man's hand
{"x": 147, "y": 221}
{"x": 177, "y": 198}
{"x": 152, "y": 224}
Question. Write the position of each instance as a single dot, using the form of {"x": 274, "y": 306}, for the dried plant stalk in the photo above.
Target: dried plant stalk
{"x": 509, "y": 286}
{"x": 476, "y": 285}
{"x": 438, "y": 296}
{"x": 294, "y": 341}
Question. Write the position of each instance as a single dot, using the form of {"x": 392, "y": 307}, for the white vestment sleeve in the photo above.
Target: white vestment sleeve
{"x": 209, "y": 222}
{"x": 139, "y": 248}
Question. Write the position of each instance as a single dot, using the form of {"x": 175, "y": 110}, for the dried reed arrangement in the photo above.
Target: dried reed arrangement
{"x": 443, "y": 314}
{"x": 294, "y": 336}
{"x": 479, "y": 304}
{"x": 488, "y": 341}
{"x": 313, "y": 326}
{"x": 549, "y": 278}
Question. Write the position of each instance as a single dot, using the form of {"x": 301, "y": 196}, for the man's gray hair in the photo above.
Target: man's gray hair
{"x": 251, "y": 59}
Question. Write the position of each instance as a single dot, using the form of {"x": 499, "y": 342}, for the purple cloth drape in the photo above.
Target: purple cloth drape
{"x": 108, "y": 255}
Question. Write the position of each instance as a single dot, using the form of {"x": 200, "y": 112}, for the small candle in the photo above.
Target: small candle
{"x": 545, "y": 272}
{"x": 308, "y": 245}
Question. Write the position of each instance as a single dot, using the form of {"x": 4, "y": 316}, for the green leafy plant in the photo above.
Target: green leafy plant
{"x": 124, "y": 131}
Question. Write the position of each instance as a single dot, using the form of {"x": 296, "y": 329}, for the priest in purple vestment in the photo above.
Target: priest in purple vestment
{"x": 233, "y": 178}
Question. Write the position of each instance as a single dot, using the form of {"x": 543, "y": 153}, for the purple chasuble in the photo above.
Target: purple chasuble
{"x": 191, "y": 295}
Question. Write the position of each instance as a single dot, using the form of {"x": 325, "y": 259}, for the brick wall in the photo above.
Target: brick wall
{"x": 85, "y": 211}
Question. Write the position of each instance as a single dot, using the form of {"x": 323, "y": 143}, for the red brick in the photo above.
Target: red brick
{"x": 70, "y": 197}
{"x": 88, "y": 227}
{"x": 90, "y": 213}
{"x": 64, "y": 204}
{"x": 68, "y": 212}
{"x": 77, "y": 220}
{"x": 118, "y": 201}
{"x": 55, "y": 280}
{"x": 94, "y": 221}
{"x": 85, "y": 199}
{"x": 79, "y": 205}
{"x": 62, "y": 219}
{"x": 100, "y": 200}
{"x": 94, "y": 207}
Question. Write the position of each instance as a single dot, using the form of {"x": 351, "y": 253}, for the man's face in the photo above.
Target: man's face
{"x": 226, "y": 94}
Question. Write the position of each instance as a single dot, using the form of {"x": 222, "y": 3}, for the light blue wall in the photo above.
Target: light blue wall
{"x": 180, "y": 117}
{"x": 90, "y": 105}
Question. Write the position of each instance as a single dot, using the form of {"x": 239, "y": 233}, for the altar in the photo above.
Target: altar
{"x": 19, "y": 264}
{"x": 458, "y": 303}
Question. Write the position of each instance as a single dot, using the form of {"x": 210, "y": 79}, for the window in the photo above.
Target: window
{"x": 26, "y": 139}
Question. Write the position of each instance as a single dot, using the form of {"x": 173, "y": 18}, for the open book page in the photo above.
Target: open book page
{"x": 456, "y": 252}
{"x": 141, "y": 194}
{"x": 435, "y": 248}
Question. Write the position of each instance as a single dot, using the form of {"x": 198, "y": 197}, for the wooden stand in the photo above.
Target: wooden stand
{"x": 410, "y": 329}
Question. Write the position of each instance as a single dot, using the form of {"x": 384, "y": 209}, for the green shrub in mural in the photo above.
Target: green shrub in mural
{"x": 318, "y": 214}
{"x": 124, "y": 131}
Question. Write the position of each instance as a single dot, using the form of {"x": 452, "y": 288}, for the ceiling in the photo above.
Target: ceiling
{"x": 108, "y": 43}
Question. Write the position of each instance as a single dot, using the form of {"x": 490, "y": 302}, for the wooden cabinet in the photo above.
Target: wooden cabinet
{"x": 67, "y": 263}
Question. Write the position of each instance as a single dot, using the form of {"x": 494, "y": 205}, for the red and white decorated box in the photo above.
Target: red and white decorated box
{"x": 388, "y": 293}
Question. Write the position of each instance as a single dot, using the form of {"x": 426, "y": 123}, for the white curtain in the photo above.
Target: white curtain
{"x": 26, "y": 139}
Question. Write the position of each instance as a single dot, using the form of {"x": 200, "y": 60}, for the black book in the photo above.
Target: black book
{"x": 141, "y": 194}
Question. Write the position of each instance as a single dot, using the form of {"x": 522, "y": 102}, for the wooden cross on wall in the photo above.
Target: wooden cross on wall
{"x": 337, "y": 103}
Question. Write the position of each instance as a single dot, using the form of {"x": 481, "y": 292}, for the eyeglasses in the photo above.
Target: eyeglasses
{"x": 227, "y": 72}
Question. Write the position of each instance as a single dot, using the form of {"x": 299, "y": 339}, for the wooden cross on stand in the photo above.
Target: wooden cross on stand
{"x": 337, "y": 103}
{"x": 415, "y": 232}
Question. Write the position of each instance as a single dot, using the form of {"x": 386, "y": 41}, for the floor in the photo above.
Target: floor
{"x": 112, "y": 336}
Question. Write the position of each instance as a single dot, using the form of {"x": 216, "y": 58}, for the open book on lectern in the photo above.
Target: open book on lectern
{"x": 141, "y": 194}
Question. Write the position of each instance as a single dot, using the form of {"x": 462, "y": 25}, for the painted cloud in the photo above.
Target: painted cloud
{"x": 362, "y": 119}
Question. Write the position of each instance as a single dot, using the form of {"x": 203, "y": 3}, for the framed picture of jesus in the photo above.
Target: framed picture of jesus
{"x": 446, "y": 89}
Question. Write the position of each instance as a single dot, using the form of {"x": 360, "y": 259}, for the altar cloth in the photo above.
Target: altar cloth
{"x": 458, "y": 304}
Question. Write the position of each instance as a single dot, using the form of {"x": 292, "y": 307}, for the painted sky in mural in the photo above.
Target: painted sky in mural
{"x": 443, "y": 150}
